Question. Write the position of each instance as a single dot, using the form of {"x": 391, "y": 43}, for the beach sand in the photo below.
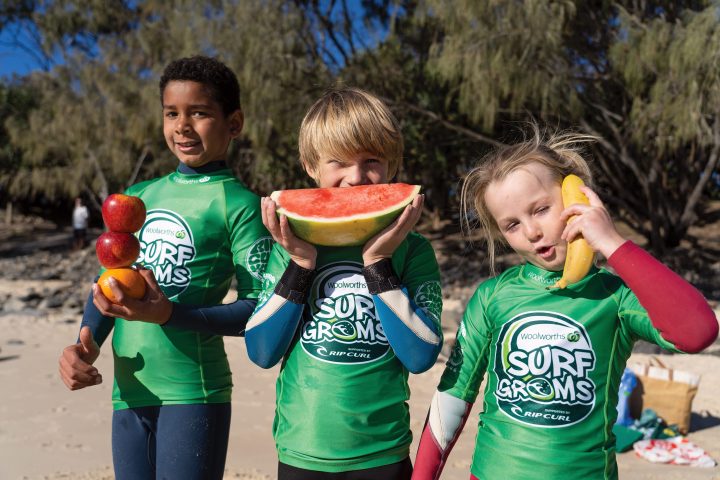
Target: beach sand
{"x": 48, "y": 432}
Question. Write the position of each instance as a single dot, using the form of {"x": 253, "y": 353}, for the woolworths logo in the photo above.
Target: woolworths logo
{"x": 543, "y": 362}
{"x": 190, "y": 180}
{"x": 166, "y": 246}
{"x": 341, "y": 326}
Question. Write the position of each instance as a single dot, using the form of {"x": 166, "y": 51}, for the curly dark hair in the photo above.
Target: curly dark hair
{"x": 210, "y": 72}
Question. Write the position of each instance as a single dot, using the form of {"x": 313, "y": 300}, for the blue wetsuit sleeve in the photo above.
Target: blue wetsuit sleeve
{"x": 414, "y": 337}
{"x": 228, "y": 319}
{"x": 100, "y": 325}
{"x": 272, "y": 327}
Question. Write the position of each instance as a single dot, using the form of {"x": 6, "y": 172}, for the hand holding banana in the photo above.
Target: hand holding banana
{"x": 589, "y": 229}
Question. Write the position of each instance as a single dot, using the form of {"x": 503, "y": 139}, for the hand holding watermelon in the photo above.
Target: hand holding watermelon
{"x": 342, "y": 216}
{"x": 301, "y": 252}
{"x": 384, "y": 244}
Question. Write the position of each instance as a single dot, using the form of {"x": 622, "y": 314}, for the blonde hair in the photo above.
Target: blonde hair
{"x": 346, "y": 121}
{"x": 559, "y": 152}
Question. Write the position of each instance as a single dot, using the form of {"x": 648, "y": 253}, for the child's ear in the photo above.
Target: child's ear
{"x": 236, "y": 121}
{"x": 312, "y": 172}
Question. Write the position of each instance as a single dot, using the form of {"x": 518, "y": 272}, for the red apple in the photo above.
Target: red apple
{"x": 123, "y": 213}
{"x": 117, "y": 249}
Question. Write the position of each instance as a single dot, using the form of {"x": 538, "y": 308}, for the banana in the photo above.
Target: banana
{"x": 579, "y": 257}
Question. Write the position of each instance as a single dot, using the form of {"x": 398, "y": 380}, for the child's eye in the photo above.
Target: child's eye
{"x": 542, "y": 209}
{"x": 171, "y": 114}
{"x": 511, "y": 227}
{"x": 199, "y": 114}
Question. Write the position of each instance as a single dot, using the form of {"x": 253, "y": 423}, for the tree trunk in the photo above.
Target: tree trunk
{"x": 141, "y": 159}
{"x": 8, "y": 213}
{"x": 436, "y": 224}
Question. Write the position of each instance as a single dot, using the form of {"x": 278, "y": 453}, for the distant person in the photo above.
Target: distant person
{"x": 342, "y": 411}
{"x": 80, "y": 217}
{"x": 172, "y": 390}
{"x": 552, "y": 358}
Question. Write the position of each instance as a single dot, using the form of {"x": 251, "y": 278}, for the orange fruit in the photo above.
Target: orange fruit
{"x": 129, "y": 280}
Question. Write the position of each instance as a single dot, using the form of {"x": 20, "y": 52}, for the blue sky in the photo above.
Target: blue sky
{"x": 15, "y": 61}
{"x": 12, "y": 58}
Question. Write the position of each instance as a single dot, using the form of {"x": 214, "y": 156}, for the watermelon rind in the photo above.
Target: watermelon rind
{"x": 352, "y": 230}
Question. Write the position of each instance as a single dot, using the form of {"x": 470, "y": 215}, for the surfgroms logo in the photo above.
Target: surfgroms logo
{"x": 166, "y": 246}
{"x": 342, "y": 326}
{"x": 542, "y": 362}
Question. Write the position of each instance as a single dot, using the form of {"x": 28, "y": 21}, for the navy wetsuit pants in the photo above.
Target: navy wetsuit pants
{"x": 178, "y": 442}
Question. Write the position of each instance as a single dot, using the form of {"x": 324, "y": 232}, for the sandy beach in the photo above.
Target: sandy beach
{"x": 48, "y": 432}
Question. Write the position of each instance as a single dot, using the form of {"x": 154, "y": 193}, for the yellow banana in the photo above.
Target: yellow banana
{"x": 579, "y": 257}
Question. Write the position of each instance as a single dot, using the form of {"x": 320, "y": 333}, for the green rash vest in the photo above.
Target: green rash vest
{"x": 342, "y": 393}
{"x": 554, "y": 359}
{"x": 200, "y": 230}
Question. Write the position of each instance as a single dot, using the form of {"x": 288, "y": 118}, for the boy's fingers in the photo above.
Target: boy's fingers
{"x": 271, "y": 220}
{"x": 106, "y": 307}
{"x": 100, "y": 301}
{"x": 285, "y": 231}
{"x": 76, "y": 381}
{"x": 74, "y": 371}
{"x": 116, "y": 290}
{"x": 87, "y": 341}
{"x": 150, "y": 279}
{"x": 262, "y": 211}
{"x": 409, "y": 218}
{"x": 404, "y": 216}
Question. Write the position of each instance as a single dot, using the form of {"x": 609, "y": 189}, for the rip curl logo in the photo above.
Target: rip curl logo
{"x": 542, "y": 362}
{"x": 341, "y": 325}
{"x": 257, "y": 257}
{"x": 166, "y": 247}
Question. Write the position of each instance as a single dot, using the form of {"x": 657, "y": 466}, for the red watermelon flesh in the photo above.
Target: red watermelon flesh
{"x": 343, "y": 216}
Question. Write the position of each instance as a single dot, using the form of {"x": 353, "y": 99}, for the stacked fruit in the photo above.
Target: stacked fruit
{"x": 118, "y": 248}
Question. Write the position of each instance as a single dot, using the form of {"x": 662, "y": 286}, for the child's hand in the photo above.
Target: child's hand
{"x": 595, "y": 224}
{"x": 383, "y": 244}
{"x": 76, "y": 362}
{"x": 154, "y": 307}
{"x": 301, "y": 252}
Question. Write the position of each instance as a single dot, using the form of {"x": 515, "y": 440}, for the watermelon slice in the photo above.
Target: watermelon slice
{"x": 343, "y": 216}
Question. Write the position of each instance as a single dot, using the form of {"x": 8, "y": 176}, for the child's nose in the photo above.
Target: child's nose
{"x": 533, "y": 232}
{"x": 356, "y": 176}
{"x": 182, "y": 124}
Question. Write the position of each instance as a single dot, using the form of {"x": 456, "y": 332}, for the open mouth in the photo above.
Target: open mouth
{"x": 545, "y": 252}
{"x": 182, "y": 146}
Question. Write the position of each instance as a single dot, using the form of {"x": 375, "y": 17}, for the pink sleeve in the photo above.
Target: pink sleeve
{"x": 445, "y": 421}
{"x": 676, "y": 309}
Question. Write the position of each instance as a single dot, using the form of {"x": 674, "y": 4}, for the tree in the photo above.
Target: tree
{"x": 642, "y": 76}
{"x": 99, "y": 109}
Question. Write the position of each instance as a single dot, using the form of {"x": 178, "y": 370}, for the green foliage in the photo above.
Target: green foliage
{"x": 504, "y": 54}
{"x": 16, "y": 100}
{"x": 672, "y": 75}
{"x": 459, "y": 74}
{"x": 642, "y": 76}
